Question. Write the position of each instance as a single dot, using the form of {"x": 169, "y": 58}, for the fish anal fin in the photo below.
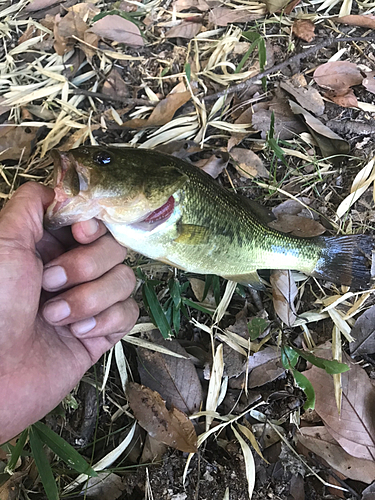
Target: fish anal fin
{"x": 249, "y": 279}
{"x": 190, "y": 234}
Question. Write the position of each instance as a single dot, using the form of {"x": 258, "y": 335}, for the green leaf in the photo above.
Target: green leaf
{"x": 156, "y": 312}
{"x": 43, "y": 465}
{"x": 257, "y": 326}
{"x": 195, "y": 305}
{"x": 207, "y": 285}
{"x": 289, "y": 357}
{"x": 216, "y": 288}
{"x": 176, "y": 318}
{"x": 63, "y": 449}
{"x": 331, "y": 366}
{"x": 187, "y": 68}
{"x": 16, "y": 451}
{"x": 262, "y": 53}
{"x": 174, "y": 290}
{"x": 246, "y": 56}
{"x": 305, "y": 384}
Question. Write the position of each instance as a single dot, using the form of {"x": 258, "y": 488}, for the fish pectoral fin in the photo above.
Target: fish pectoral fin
{"x": 250, "y": 279}
{"x": 189, "y": 234}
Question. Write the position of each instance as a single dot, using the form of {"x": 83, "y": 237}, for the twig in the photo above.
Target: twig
{"x": 292, "y": 60}
{"x": 125, "y": 100}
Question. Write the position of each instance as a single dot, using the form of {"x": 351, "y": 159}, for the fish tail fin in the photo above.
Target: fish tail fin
{"x": 346, "y": 260}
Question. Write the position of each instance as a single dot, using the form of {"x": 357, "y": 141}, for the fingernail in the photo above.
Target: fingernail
{"x": 54, "y": 277}
{"x": 56, "y": 311}
{"x": 90, "y": 227}
{"x": 84, "y": 326}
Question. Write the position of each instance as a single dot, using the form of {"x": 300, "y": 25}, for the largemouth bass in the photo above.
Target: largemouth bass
{"x": 169, "y": 210}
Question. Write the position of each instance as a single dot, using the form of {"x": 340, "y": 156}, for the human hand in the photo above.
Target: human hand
{"x": 49, "y": 340}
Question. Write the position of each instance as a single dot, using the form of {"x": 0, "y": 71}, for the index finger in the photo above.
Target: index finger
{"x": 88, "y": 231}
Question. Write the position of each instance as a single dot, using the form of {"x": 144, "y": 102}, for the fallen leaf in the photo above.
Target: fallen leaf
{"x": 67, "y": 27}
{"x": 338, "y": 76}
{"x": 308, "y": 97}
{"x": 175, "y": 379}
{"x": 214, "y": 165}
{"x": 201, "y": 5}
{"x": 331, "y": 145}
{"x": 163, "y": 112}
{"x": 186, "y": 29}
{"x": 304, "y": 29}
{"x": 244, "y": 119}
{"x": 284, "y": 292}
{"x": 35, "y": 5}
{"x": 286, "y": 126}
{"x": 267, "y": 433}
{"x": 170, "y": 427}
{"x": 364, "y": 21}
{"x": 153, "y": 450}
{"x": 291, "y": 207}
{"x": 248, "y": 164}
{"x": 106, "y": 486}
{"x": 222, "y": 16}
{"x": 297, "y": 226}
{"x": 348, "y": 100}
{"x": 275, "y": 5}
{"x": 369, "y": 82}
{"x": 364, "y": 334}
{"x": 16, "y": 142}
{"x": 118, "y": 29}
{"x": 114, "y": 85}
{"x": 264, "y": 366}
{"x": 320, "y": 442}
{"x": 354, "y": 428}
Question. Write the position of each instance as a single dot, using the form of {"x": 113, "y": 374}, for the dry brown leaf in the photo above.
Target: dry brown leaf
{"x": 214, "y": 165}
{"x": 186, "y": 29}
{"x": 16, "y": 141}
{"x": 321, "y": 443}
{"x": 114, "y": 85}
{"x": 308, "y": 97}
{"x": 35, "y": 5}
{"x": 331, "y": 145}
{"x": 248, "y": 164}
{"x": 369, "y": 82}
{"x": 297, "y": 226}
{"x": 264, "y": 366}
{"x": 105, "y": 486}
{"x": 291, "y": 207}
{"x": 364, "y": 334}
{"x": 163, "y": 112}
{"x": 275, "y": 5}
{"x": 354, "y": 429}
{"x": 365, "y": 21}
{"x": 338, "y": 76}
{"x": 304, "y": 29}
{"x": 200, "y": 5}
{"x": 119, "y": 30}
{"x": 284, "y": 292}
{"x": 244, "y": 119}
{"x": 287, "y": 126}
{"x": 153, "y": 450}
{"x": 175, "y": 379}
{"x": 222, "y": 16}
{"x": 170, "y": 427}
{"x": 65, "y": 28}
{"x": 348, "y": 100}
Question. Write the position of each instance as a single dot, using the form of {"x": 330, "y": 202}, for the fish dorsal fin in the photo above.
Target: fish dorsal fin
{"x": 250, "y": 279}
{"x": 190, "y": 234}
{"x": 263, "y": 214}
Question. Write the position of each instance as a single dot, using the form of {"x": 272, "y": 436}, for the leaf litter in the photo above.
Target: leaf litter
{"x": 66, "y": 91}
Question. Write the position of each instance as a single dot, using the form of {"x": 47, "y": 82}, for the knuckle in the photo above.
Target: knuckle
{"x": 126, "y": 278}
{"x": 86, "y": 266}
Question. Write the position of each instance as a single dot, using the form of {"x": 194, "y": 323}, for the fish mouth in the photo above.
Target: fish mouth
{"x": 68, "y": 183}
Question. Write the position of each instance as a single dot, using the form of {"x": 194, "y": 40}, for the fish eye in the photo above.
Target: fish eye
{"x": 102, "y": 158}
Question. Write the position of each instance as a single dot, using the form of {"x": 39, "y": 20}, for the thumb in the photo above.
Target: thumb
{"x": 21, "y": 221}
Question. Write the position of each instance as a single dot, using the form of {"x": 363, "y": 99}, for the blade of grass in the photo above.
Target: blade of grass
{"x": 43, "y": 465}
